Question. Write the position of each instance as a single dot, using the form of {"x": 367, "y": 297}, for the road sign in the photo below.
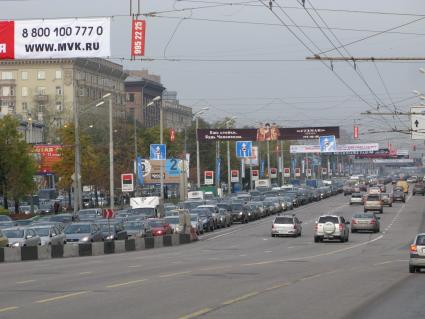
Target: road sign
{"x": 234, "y": 176}
{"x": 158, "y": 152}
{"x": 255, "y": 175}
{"x": 209, "y": 177}
{"x": 108, "y": 213}
{"x": 286, "y": 172}
{"x": 173, "y": 167}
{"x": 417, "y": 118}
{"x": 273, "y": 172}
{"x": 327, "y": 143}
{"x": 127, "y": 182}
{"x": 244, "y": 149}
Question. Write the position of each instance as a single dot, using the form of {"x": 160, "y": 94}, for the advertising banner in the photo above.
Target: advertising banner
{"x": 127, "y": 182}
{"x": 267, "y": 133}
{"x": 308, "y": 172}
{"x": 55, "y": 38}
{"x": 138, "y": 36}
{"x": 346, "y": 149}
{"x": 286, "y": 172}
{"x": 255, "y": 175}
{"x": 234, "y": 176}
{"x": 327, "y": 144}
{"x": 209, "y": 177}
{"x": 46, "y": 157}
{"x": 273, "y": 172}
{"x": 356, "y": 132}
{"x": 297, "y": 172}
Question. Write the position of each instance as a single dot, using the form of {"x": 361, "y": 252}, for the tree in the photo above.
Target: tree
{"x": 17, "y": 165}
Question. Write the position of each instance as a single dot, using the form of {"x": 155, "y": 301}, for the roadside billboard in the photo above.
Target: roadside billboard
{"x": 369, "y": 148}
{"x": 55, "y": 38}
{"x": 46, "y": 157}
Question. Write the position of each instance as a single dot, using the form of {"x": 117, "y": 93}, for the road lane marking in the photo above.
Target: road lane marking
{"x": 85, "y": 273}
{"x": 25, "y": 282}
{"x": 135, "y": 266}
{"x": 277, "y": 286}
{"x": 232, "y": 301}
{"x": 197, "y": 313}
{"x": 8, "y": 309}
{"x": 126, "y": 283}
{"x": 391, "y": 261}
{"x": 62, "y": 297}
{"x": 174, "y": 274}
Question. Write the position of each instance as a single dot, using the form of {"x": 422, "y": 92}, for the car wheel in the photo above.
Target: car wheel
{"x": 342, "y": 239}
{"x": 316, "y": 239}
{"x": 412, "y": 269}
{"x": 273, "y": 235}
{"x": 391, "y": 205}
{"x": 365, "y": 210}
{"x": 353, "y": 231}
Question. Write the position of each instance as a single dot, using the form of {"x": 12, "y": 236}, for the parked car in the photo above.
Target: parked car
{"x": 419, "y": 188}
{"x": 374, "y": 202}
{"x": 417, "y": 253}
{"x": 112, "y": 230}
{"x": 387, "y": 199}
{"x": 215, "y": 214}
{"x": 239, "y": 213}
{"x": 331, "y": 227}
{"x": 206, "y": 219}
{"x": 138, "y": 228}
{"x": 356, "y": 198}
{"x": 159, "y": 227}
{"x": 50, "y": 235}
{"x": 365, "y": 221}
{"x": 3, "y": 240}
{"x": 21, "y": 237}
{"x": 286, "y": 225}
{"x": 83, "y": 232}
{"x": 225, "y": 218}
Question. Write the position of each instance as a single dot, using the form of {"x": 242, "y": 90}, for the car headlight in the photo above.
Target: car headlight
{"x": 249, "y": 214}
{"x": 240, "y": 213}
{"x": 110, "y": 237}
{"x": 17, "y": 244}
{"x": 85, "y": 239}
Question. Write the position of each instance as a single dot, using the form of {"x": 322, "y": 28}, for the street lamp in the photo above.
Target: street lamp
{"x": 161, "y": 139}
{"x": 198, "y": 167}
{"x": 229, "y": 179}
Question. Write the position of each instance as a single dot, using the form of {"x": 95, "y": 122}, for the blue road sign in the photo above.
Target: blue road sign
{"x": 158, "y": 152}
{"x": 243, "y": 149}
{"x": 327, "y": 144}
{"x": 140, "y": 170}
{"x": 173, "y": 167}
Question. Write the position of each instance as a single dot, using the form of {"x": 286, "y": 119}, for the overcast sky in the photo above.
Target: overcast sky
{"x": 290, "y": 93}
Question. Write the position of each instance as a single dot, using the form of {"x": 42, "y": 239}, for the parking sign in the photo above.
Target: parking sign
{"x": 158, "y": 152}
{"x": 243, "y": 149}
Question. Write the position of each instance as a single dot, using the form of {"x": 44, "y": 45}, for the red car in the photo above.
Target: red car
{"x": 159, "y": 227}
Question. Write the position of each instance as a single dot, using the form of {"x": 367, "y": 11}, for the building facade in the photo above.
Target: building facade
{"x": 46, "y": 90}
{"x": 176, "y": 116}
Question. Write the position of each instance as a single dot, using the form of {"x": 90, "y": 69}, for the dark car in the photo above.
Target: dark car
{"x": 138, "y": 228}
{"x": 206, "y": 218}
{"x": 112, "y": 230}
{"x": 419, "y": 188}
{"x": 239, "y": 213}
{"x": 83, "y": 232}
{"x": 399, "y": 196}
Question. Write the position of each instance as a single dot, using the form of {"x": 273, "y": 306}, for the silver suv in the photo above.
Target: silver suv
{"x": 331, "y": 227}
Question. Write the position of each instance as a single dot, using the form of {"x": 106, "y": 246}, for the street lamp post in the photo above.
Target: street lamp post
{"x": 161, "y": 140}
{"x": 229, "y": 178}
{"x": 198, "y": 165}
{"x": 111, "y": 155}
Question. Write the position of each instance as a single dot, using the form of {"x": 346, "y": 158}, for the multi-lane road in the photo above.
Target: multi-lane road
{"x": 240, "y": 272}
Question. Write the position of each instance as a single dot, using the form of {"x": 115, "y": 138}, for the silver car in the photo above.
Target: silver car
{"x": 174, "y": 222}
{"x": 331, "y": 227}
{"x": 83, "y": 232}
{"x": 286, "y": 225}
{"x": 21, "y": 237}
{"x": 417, "y": 253}
{"x": 365, "y": 221}
{"x": 138, "y": 228}
{"x": 356, "y": 199}
{"x": 50, "y": 235}
{"x": 197, "y": 223}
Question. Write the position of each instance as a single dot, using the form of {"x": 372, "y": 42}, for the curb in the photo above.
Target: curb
{"x": 12, "y": 254}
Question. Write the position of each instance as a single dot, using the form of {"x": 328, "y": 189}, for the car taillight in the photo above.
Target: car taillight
{"x": 373, "y": 221}
{"x": 272, "y": 225}
{"x": 413, "y": 248}
{"x": 341, "y": 227}
{"x": 353, "y": 221}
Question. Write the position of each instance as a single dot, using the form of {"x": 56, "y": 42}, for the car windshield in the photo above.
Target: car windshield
{"x": 13, "y": 233}
{"x": 134, "y": 225}
{"x": 172, "y": 220}
{"x": 328, "y": 219}
{"x": 156, "y": 223}
{"x": 373, "y": 198}
{"x": 77, "y": 229}
{"x": 42, "y": 232}
{"x": 61, "y": 218}
{"x": 284, "y": 220}
{"x": 147, "y": 211}
{"x": 87, "y": 212}
{"x": 4, "y": 218}
{"x": 356, "y": 196}
{"x": 105, "y": 227}
{"x": 237, "y": 207}
{"x": 364, "y": 215}
{"x": 420, "y": 240}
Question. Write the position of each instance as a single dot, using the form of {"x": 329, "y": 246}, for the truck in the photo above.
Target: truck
{"x": 152, "y": 205}
{"x": 262, "y": 183}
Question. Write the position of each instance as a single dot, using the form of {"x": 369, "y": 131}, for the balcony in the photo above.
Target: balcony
{"x": 41, "y": 98}
{"x": 7, "y": 82}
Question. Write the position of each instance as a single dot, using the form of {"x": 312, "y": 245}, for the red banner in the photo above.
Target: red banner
{"x": 47, "y": 156}
{"x": 356, "y": 132}
{"x": 7, "y": 40}
{"x": 138, "y": 33}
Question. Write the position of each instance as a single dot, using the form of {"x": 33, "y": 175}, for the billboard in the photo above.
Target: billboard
{"x": 267, "y": 133}
{"x": 152, "y": 174}
{"x": 327, "y": 144}
{"x": 368, "y": 148}
{"x": 138, "y": 35}
{"x": 46, "y": 157}
{"x": 55, "y": 38}
{"x": 127, "y": 182}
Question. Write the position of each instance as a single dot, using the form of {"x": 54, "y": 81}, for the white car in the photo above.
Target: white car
{"x": 331, "y": 227}
{"x": 21, "y": 237}
{"x": 50, "y": 235}
{"x": 286, "y": 225}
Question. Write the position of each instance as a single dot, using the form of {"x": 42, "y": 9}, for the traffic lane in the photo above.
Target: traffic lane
{"x": 180, "y": 275}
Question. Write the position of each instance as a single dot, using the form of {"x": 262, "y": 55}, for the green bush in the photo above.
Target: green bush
{"x": 3, "y": 211}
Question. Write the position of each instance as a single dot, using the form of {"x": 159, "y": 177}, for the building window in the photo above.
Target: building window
{"x": 40, "y": 108}
{"x": 41, "y": 75}
{"x": 12, "y": 91}
{"x": 58, "y": 74}
{"x": 24, "y": 75}
{"x": 5, "y": 91}
{"x": 24, "y": 106}
{"x": 130, "y": 97}
{"x": 59, "y": 107}
{"x": 6, "y": 76}
{"x": 58, "y": 90}
{"x": 24, "y": 91}
{"x": 41, "y": 90}
{"x": 81, "y": 92}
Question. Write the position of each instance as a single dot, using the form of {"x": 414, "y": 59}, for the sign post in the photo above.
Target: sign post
{"x": 417, "y": 118}
{"x": 127, "y": 183}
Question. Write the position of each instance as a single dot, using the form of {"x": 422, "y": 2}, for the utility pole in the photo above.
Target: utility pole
{"x": 76, "y": 159}
{"x": 161, "y": 141}
{"x": 282, "y": 163}
{"x": 111, "y": 156}
{"x": 268, "y": 161}
{"x": 198, "y": 167}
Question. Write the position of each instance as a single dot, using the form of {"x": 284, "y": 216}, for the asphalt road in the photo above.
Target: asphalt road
{"x": 238, "y": 272}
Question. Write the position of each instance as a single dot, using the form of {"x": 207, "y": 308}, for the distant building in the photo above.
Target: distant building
{"x": 141, "y": 88}
{"x": 32, "y": 131}
{"x": 46, "y": 89}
